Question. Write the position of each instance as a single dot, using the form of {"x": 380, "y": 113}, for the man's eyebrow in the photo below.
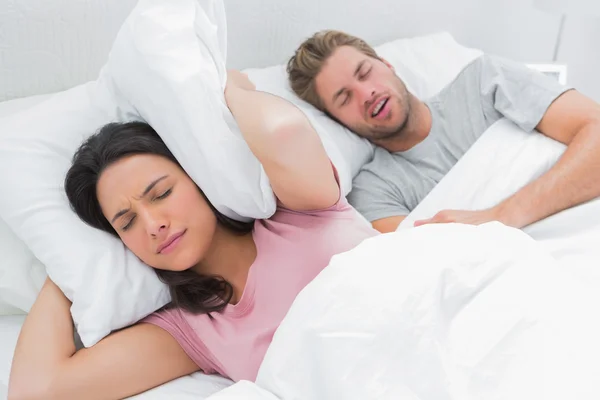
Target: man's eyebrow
{"x": 122, "y": 212}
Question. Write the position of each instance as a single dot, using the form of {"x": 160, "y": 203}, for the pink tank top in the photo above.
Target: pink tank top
{"x": 292, "y": 249}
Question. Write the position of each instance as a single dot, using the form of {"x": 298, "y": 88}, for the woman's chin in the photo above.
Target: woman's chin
{"x": 177, "y": 263}
{"x": 175, "y": 268}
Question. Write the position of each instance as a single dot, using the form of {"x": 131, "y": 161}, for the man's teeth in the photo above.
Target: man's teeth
{"x": 378, "y": 107}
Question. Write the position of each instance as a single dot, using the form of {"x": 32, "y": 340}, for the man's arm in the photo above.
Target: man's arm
{"x": 532, "y": 100}
{"x": 389, "y": 224}
{"x": 374, "y": 196}
{"x": 574, "y": 120}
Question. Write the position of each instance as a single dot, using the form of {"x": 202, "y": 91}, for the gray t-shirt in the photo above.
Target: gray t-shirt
{"x": 489, "y": 88}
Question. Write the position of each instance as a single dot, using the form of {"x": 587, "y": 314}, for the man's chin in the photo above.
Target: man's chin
{"x": 382, "y": 135}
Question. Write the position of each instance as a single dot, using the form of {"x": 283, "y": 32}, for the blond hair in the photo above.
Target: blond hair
{"x": 309, "y": 58}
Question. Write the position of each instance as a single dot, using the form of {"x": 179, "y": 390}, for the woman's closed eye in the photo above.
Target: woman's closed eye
{"x": 164, "y": 195}
{"x": 129, "y": 224}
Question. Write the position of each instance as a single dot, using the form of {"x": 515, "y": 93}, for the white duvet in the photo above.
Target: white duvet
{"x": 452, "y": 311}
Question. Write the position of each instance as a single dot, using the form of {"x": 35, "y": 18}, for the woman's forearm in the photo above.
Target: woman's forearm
{"x": 286, "y": 144}
{"x": 125, "y": 363}
{"x": 45, "y": 342}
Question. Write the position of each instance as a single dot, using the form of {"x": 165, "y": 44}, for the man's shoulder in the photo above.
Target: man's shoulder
{"x": 468, "y": 76}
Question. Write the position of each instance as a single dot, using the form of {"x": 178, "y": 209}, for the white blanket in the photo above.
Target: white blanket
{"x": 502, "y": 161}
{"x": 452, "y": 311}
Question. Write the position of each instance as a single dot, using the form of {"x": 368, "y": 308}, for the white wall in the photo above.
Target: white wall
{"x": 510, "y": 28}
{"x": 580, "y": 50}
{"x": 499, "y": 26}
{"x": 51, "y": 45}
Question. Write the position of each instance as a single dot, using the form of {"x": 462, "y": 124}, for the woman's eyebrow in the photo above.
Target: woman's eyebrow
{"x": 122, "y": 212}
{"x": 152, "y": 184}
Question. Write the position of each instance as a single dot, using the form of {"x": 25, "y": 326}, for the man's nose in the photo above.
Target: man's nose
{"x": 368, "y": 95}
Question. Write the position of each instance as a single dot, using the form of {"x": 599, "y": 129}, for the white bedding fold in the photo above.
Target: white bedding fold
{"x": 502, "y": 161}
{"x": 439, "y": 312}
{"x": 454, "y": 311}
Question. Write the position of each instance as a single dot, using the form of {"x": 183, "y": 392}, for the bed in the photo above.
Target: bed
{"x": 53, "y": 46}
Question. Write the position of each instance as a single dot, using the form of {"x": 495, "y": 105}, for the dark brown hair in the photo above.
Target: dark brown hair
{"x": 189, "y": 290}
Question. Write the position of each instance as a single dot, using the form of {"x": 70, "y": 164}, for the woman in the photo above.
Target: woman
{"x": 231, "y": 283}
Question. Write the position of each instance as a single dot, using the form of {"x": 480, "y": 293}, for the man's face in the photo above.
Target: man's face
{"x": 364, "y": 94}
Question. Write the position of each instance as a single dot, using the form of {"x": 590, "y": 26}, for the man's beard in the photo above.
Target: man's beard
{"x": 381, "y": 134}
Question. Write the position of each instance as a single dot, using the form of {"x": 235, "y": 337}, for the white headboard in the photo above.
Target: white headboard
{"x": 52, "y": 45}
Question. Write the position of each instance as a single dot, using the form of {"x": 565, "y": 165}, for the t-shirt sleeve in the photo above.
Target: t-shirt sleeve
{"x": 374, "y": 198}
{"x": 173, "y": 321}
{"x": 517, "y": 92}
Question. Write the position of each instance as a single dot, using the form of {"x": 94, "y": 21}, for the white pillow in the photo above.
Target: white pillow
{"x": 21, "y": 274}
{"x": 168, "y": 62}
{"x": 110, "y": 288}
{"x": 427, "y": 63}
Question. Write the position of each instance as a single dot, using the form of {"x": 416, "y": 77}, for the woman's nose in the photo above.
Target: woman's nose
{"x": 157, "y": 229}
{"x": 156, "y": 224}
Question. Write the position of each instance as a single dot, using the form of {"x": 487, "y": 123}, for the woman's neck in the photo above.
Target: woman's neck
{"x": 229, "y": 256}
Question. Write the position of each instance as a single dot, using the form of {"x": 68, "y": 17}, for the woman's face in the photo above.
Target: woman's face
{"x": 157, "y": 210}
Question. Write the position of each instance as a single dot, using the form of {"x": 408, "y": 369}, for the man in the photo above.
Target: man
{"x": 419, "y": 142}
